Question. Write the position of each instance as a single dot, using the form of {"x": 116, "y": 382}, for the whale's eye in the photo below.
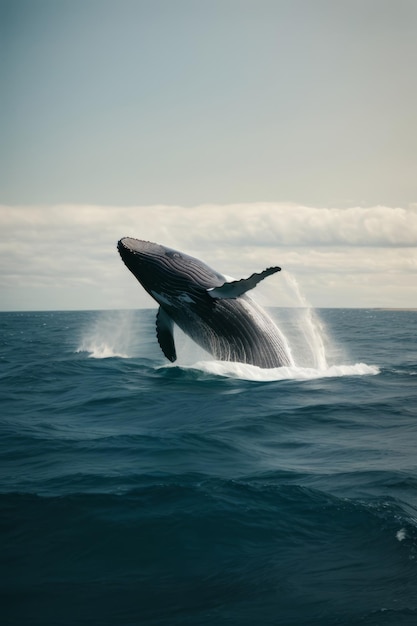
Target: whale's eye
{"x": 173, "y": 254}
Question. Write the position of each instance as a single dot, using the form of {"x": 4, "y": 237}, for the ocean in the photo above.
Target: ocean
{"x": 137, "y": 492}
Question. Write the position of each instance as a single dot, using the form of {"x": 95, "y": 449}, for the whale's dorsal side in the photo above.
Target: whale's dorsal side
{"x": 237, "y": 288}
{"x": 165, "y": 334}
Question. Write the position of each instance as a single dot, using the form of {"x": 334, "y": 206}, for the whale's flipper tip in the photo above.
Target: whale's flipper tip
{"x": 237, "y": 288}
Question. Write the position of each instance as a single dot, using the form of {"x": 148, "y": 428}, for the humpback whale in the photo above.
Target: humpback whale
{"x": 215, "y": 312}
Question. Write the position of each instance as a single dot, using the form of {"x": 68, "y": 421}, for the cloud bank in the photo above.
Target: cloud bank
{"x": 65, "y": 256}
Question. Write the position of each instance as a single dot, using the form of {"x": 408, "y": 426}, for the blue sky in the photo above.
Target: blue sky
{"x": 302, "y": 103}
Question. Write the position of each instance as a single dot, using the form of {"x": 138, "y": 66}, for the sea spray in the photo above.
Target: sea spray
{"x": 110, "y": 335}
{"x": 310, "y": 325}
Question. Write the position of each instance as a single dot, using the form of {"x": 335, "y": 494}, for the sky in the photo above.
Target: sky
{"x": 244, "y": 132}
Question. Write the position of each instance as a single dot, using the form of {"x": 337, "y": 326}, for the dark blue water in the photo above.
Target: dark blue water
{"x": 133, "y": 493}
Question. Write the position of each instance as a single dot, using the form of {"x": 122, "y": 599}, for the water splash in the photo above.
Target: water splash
{"x": 244, "y": 371}
{"x": 309, "y": 324}
{"x": 108, "y": 336}
{"x": 192, "y": 357}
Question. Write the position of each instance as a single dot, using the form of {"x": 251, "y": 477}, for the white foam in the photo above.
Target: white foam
{"x": 101, "y": 351}
{"x": 244, "y": 371}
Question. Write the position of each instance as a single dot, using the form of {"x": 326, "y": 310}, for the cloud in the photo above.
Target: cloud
{"x": 294, "y": 225}
{"x": 65, "y": 256}
{"x": 256, "y": 224}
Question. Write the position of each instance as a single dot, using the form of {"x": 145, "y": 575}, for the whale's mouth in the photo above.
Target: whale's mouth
{"x": 130, "y": 253}
{"x": 124, "y": 249}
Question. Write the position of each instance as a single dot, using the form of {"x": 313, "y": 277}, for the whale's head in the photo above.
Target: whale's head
{"x": 166, "y": 274}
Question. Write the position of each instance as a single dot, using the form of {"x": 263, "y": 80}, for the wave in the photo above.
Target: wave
{"x": 198, "y": 495}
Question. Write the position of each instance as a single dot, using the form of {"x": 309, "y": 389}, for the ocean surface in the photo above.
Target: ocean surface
{"x": 137, "y": 492}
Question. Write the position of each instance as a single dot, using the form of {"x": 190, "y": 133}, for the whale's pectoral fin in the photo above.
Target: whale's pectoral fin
{"x": 165, "y": 334}
{"x": 236, "y": 288}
